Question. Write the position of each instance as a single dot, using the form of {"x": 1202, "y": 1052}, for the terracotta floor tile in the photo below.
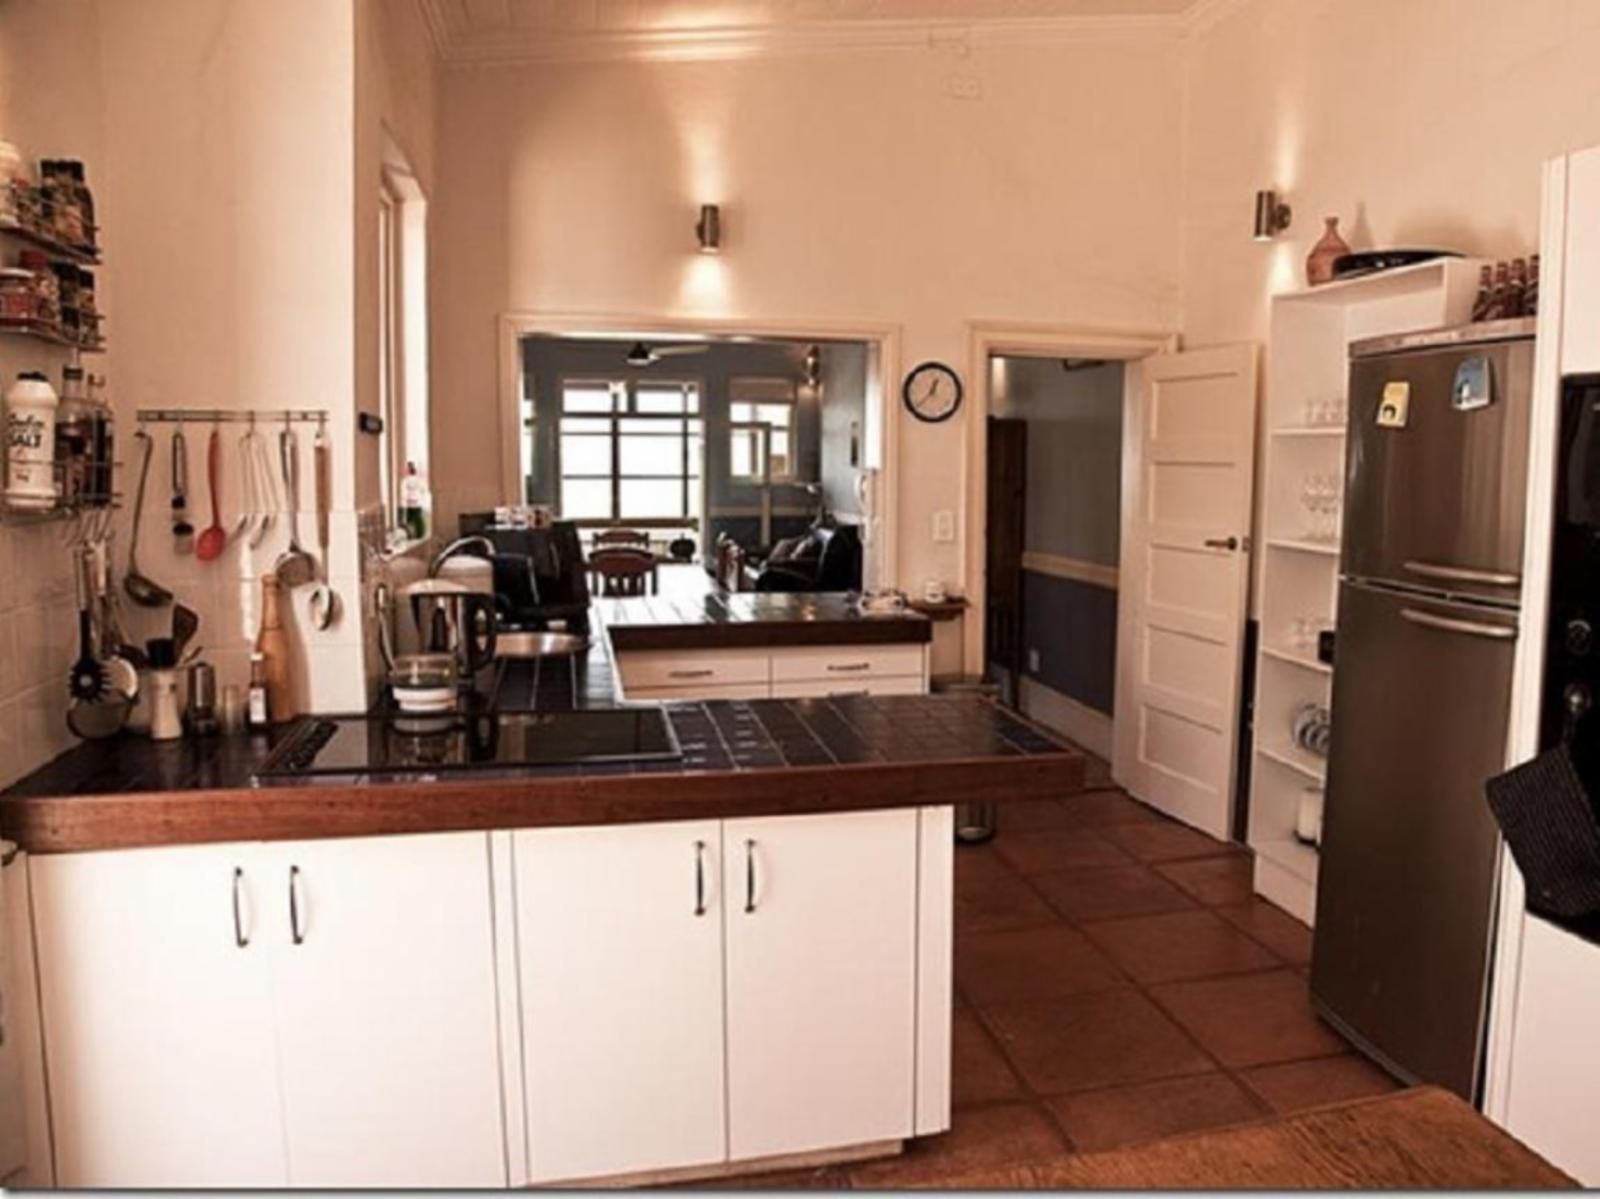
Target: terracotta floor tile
{"x": 1251, "y": 1019}
{"x": 978, "y": 1070}
{"x": 1031, "y": 963}
{"x": 1099, "y": 1040}
{"x": 1165, "y": 842}
{"x": 979, "y": 1137}
{"x": 1042, "y": 850}
{"x": 1215, "y": 881}
{"x": 1107, "y": 892}
{"x": 977, "y": 862}
{"x": 1129, "y": 1115}
{"x": 1165, "y": 948}
{"x": 997, "y": 902}
{"x": 1097, "y": 809}
{"x": 1295, "y": 1086}
{"x": 1031, "y": 814}
{"x": 1274, "y": 928}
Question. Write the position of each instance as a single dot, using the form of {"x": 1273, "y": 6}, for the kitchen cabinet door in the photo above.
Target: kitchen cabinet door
{"x": 385, "y": 982}
{"x": 158, "y": 1022}
{"x": 620, "y": 955}
{"x": 821, "y": 932}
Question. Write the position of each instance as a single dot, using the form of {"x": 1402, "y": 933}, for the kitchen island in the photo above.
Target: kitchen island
{"x": 463, "y": 977}
{"x": 755, "y": 645}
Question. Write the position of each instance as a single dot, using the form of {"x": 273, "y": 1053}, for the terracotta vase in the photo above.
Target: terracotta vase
{"x": 1319, "y": 263}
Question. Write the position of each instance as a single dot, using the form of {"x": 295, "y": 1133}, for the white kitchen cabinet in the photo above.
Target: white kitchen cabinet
{"x": 821, "y": 928}
{"x": 158, "y": 1021}
{"x": 1580, "y": 296}
{"x": 847, "y": 663}
{"x": 620, "y": 958}
{"x": 384, "y": 976}
{"x": 710, "y": 691}
{"x": 795, "y": 672}
{"x": 838, "y": 688}
{"x": 192, "y": 1041}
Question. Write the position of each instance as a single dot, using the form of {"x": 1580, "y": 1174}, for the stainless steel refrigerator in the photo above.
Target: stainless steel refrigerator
{"x": 1430, "y": 583}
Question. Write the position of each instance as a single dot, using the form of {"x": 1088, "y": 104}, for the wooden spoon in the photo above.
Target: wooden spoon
{"x": 214, "y": 538}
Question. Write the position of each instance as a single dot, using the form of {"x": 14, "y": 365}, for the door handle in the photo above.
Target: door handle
{"x": 1462, "y": 574}
{"x": 749, "y": 877}
{"x": 295, "y": 933}
{"x": 1222, "y": 543}
{"x": 239, "y": 936}
{"x": 849, "y": 667}
{"x": 1474, "y": 628}
{"x": 690, "y": 674}
{"x": 699, "y": 878}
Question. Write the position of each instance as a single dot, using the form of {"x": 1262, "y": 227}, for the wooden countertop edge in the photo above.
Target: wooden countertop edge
{"x": 78, "y": 823}
{"x": 793, "y": 634}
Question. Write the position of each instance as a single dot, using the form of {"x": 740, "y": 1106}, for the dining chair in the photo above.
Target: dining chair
{"x": 620, "y": 571}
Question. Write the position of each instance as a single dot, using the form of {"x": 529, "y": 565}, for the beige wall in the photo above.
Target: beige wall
{"x": 1418, "y": 122}
{"x": 855, "y": 188}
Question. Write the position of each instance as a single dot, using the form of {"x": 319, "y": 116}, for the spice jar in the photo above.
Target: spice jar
{"x": 46, "y": 287}
{"x": 76, "y": 437}
{"x": 19, "y": 306}
{"x": 13, "y": 185}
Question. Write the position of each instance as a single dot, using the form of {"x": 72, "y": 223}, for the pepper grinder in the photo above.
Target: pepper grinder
{"x": 202, "y": 711}
{"x": 166, "y": 722}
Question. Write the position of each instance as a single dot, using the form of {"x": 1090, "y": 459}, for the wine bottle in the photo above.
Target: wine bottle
{"x": 272, "y": 643}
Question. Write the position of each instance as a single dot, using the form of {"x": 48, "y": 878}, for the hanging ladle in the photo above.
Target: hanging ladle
{"x": 295, "y": 567}
{"x": 324, "y": 599}
{"x": 141, "y": 590}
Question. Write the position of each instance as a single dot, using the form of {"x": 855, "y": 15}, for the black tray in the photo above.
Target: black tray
{"x": 1368, "y": 262}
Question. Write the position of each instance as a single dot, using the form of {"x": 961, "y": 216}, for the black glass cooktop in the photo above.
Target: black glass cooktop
{"x": 349, "y": 745}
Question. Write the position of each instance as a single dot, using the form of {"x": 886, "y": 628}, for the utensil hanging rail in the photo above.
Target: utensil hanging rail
{"x": 231, "y": 416}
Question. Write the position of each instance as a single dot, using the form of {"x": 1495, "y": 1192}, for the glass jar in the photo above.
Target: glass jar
{"x": 76, "y": 437}
{"x": 46, "y": 287}
{"x": 19, "y": 307}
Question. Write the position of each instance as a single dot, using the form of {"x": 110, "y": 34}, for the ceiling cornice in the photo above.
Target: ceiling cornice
{"x": 461, "y": 47}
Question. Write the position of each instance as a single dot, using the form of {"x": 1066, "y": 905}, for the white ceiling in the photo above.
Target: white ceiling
{"x": 488, "y": 31}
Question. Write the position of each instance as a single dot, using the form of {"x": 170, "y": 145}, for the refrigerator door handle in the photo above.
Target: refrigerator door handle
{"x": 1462, "y": 574}
{"x": 1498, "y": 632}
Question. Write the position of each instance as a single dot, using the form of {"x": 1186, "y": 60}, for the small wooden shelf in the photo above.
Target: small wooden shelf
{"x": 1295, "y": 761}
{"x": 1310, "y": 431}
{"x": 52, "y": 336}
{"x": 951, "y": 609}
{"x": 1301, "y": 545}
{"x": 81, "y": 255}
{"x": 1296, "y": 659}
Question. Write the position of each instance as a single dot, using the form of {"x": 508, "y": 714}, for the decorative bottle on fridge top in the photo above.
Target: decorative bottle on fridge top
{"x": 1328, "y": 250}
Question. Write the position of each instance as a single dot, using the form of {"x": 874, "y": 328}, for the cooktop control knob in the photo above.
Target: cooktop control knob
{"x": 1580, "y": 637}
{"x": 1578, "y": 699}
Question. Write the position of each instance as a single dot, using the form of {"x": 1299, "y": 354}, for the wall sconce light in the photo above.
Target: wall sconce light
{"x": 709, "y": 229}
{"x": 1272, "y": 215}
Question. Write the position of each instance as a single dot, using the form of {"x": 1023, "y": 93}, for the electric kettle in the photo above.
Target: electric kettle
{"x": 441, "y": 616}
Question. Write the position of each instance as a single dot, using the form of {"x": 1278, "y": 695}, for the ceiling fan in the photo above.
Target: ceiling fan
{"x": 647, "y": 355}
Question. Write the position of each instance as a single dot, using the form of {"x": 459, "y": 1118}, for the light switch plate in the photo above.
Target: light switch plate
{"x": 944, "y": 525}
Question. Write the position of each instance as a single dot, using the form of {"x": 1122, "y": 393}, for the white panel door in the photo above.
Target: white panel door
{"x": 620, "y": 956}
{"x": 384, "y": 974}
{"x": 1185, "y": 573}
{"x": 157, "y": 1007}
{"x": 821, "y": 920}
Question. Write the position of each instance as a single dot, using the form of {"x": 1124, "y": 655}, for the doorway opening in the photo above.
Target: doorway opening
{"x": 730, "y": 451}
{"x": 1053, "y": 538}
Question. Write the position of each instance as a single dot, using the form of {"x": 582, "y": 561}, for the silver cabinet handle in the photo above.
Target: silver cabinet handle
{"x": 749, "y": 877}
{"x": 1222, "y": 543}
{"x": 295, "y": 934}
{"x": 690, "y": 674}
{"x": 1448, "y": 624}
{"x": 699, "y": 878}
{"x": 849, "y": 667}
{"x": 239, "y": 937}
{"x": 1462, "y": 574}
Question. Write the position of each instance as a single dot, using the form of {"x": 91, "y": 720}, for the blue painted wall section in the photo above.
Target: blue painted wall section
{"x": 1073, "y": 625}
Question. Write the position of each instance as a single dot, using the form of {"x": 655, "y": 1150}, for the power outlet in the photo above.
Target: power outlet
{"x": 1033, "y": 661}
{"x": 944, "y": 525}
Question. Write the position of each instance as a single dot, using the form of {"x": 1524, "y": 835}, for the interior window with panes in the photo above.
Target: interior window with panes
{"x": 761, "y": 430}
{"x": 631, "y": 453}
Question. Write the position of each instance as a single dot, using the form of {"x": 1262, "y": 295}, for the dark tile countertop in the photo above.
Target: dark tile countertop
{"x": 766, "y": 757}
{"x": 753, "y": 620}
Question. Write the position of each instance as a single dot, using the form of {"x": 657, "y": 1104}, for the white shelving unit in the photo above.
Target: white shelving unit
{"x": 1298, "y": 575}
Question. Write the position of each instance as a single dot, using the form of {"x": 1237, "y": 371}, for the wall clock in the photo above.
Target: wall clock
{"x": 932, "y": 392}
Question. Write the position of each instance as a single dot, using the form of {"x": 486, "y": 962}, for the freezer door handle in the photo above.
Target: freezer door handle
{"x": 1462, "y": 574}
{"x": 1448, "y": 624}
